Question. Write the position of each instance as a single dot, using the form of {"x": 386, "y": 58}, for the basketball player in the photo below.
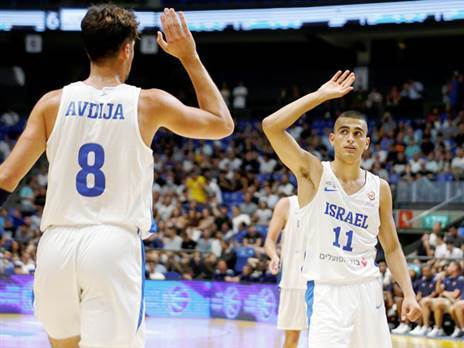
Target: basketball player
{"x": 292, "y": 308}
{"x": 343, "y": 210}
{"x": 97, "y": 134}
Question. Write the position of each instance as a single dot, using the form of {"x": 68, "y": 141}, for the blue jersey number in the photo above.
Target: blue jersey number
{"x": 349, "y": 239}
{"x": 91, "y": 169}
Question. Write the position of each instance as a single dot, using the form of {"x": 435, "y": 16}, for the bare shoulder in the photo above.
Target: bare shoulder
{"x": 50, "y": 99}
{"x": 281, "y": 209}
{"x": 282, "y": 204}
{"x": 156, "y": 102}
{"x": 154, "y": 98}
{"x": 385, "y": 193}
{"x": 384, "y": 187}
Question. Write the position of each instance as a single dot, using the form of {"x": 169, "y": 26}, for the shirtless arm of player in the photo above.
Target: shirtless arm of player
{"x": 212, "y": 120}
{"x": 31, "y": 143}
{"x": 394, "y": 255}
{"x": 278, "y": 221}
{"x": 306, "y": 167}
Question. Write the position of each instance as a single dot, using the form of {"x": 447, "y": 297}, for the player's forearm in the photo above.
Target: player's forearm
{"x": 289, "y": 114}
{"x": 270, "y": 248}
{"x": 208, "y": 95}
{"x": 399, "y": 269}
{"x": 7, "y": 181}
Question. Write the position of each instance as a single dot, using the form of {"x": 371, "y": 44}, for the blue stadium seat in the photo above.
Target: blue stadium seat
{"x": 232, "y": 198}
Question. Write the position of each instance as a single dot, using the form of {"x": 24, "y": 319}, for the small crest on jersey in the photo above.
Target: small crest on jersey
{"x": 371, "y": 195}
{"x": 330, "y": 186}
{"x": 363, "y": 262}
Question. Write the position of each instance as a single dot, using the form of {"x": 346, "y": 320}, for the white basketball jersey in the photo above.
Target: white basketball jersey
{"x": 341, "y": 231}
{"x": 292, "y": 250}
{"x": 101, "y": 171}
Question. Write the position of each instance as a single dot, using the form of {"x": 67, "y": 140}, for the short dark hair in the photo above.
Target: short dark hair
{"x": 352, "y": 114}
{"x": 105, "y": 28}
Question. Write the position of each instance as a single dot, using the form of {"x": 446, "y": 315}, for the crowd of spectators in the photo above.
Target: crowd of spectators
{"x": 213, "y": 200}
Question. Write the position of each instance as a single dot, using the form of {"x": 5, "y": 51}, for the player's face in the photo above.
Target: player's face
{"x": 349, "y": 139}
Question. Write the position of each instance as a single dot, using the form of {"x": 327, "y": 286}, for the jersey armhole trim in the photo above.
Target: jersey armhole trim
{"x": 137, "y": 124}
{"x": 57, "y": 123}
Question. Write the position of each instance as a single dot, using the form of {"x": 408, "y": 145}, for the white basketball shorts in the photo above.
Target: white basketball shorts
{"x": 292, "y": 310}
{"x": 347, "y": 316}
{"x": 89, "y": 283}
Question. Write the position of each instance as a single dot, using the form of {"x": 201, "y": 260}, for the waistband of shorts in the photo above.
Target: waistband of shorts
{"x": 344, "y": 282}
{"x": 131, "y": 229}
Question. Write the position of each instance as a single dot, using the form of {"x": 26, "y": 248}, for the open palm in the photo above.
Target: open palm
{"x": 179, "y": 41}
{"x": 339, "y": 85}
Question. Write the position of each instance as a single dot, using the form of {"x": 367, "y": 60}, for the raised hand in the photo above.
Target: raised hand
{"x": 338, "y": 85}
{"x": 179, "y": 40}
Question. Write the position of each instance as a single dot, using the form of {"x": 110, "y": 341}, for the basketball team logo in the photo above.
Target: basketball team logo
{"x": 330, "y": 187}
{"x": 266, "y": 305}
{"x": 232, "y": 302}
{"x": 363, "y": 262}
{"x": 371, "y": 195}
{"x": 177, "y": 300}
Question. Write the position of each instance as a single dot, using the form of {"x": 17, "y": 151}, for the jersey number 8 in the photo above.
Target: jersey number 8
{"x": 94, "y": 169}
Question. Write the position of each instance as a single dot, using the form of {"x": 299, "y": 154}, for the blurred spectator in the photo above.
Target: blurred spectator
{"x": 253, "y": 239}
{"x": 225, "y": 92}
{"x": 239, "y": 219}
{"x": 457, "y": 164}
{"x": 425, "y": 293}
{"x": 263, "y": 214}
{"x": 449, "y": 289}
{"x": 205, "y": 243}
{"x": 222, "y": 271}
{"x": 452, "y": 252}
{"x": 171, "y": 240}
{"x": 453, "y": 235}
{"x": 248, "y": 207}
{"x": 187, "y": 242}
{"x": 197, "y": 185}
{"x": 240, "y": 93}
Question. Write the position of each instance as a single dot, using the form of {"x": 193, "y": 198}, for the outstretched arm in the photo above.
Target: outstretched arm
{"x": 275, "y": 125}
{"x": 212, "y": 120}
{"x": 278, "y": 221}
{"x": 394, "y": 255}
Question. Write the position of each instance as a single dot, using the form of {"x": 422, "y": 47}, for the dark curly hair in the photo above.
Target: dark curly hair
{"x": 105, "y": 28}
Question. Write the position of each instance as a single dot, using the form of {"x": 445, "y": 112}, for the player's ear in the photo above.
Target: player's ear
{"x": 368, "y": 142}
{"x": 126, "y": 49}
{"x": 331, "y": 138}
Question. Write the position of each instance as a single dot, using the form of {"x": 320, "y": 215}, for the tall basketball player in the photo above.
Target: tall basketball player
{"x": 97, "y": 134}
{"x": 343, "y": 210}
{"x": 291, "y": 316}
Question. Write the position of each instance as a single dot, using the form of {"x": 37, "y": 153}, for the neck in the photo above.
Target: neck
{"x": 104, "y": 74}
{"x": 346, "y": 171}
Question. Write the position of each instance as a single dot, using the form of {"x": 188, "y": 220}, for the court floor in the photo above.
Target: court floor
{"x": 18, "y": 331}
